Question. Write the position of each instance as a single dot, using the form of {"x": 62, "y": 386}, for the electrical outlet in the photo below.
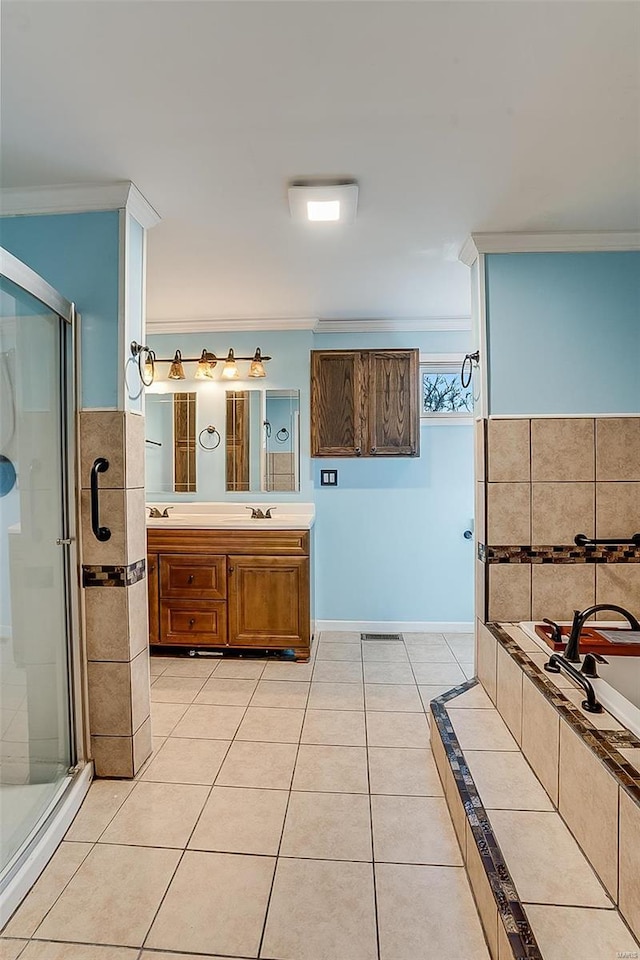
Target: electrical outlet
{"x": 328, "y": 478}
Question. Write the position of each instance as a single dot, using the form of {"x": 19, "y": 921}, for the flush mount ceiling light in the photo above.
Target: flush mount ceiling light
{"x": 323, "y": 202}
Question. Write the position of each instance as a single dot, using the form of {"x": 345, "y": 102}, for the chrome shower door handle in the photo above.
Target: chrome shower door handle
{"x": 100, "y": 533}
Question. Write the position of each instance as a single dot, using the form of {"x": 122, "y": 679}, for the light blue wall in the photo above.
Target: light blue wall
{"x": 78, "y": 255}
{"x": 389, "y": 540}
{"x": 563, "y": 332}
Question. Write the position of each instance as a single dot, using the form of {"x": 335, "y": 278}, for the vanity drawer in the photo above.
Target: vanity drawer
{"x": 199, "y": 577}
{"x": 193, "y": 622}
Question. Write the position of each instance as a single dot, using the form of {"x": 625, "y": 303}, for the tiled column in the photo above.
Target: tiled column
{"x": 115, "y": 593}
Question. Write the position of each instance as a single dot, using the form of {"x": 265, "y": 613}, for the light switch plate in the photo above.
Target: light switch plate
{"x": 328, "y": 478}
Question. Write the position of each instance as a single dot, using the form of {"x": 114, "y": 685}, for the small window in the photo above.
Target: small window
{"x": 441, "y": 392}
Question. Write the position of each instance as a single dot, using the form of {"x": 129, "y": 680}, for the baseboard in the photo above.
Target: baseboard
{"x": 396, "y": 626}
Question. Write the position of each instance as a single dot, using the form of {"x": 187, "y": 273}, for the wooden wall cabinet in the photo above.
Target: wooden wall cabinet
{"x": 364, "y": 403}
{"x": 242, "y": 589}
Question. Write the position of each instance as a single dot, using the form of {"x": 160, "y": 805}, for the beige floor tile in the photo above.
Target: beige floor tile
{"x": 104, "y": 799}
{"x": 187, "y": 761}
{"x": 336, "y": 696}
{"x": 203, "y": 721}
{"x": 430, "y": 653}
{"x": 241, "y": 820}
{"x": 281, "y": 693}
{"x": 331, "y": 769}
{"x": 227, "y": 693}
{"x": 191, "y": 667}
{"x": 268, "y": 765}
{"x": 287, "y": 670}
{"x": 392, "y": 650}
{"x": 463, "y": 646}
{"x": 10, "y": 949}
{"x": 157, "y": 666}
{"x": 397, "y": 697}
{"x": 413, "y": 830}
{"x": 469, "y": 669}
{"x": 176, "y": 689}
{"x": 481, "y": 730}
{"x": 422, "y": 637}
{"x": 339, "y": 636}
{"x": 506, "y": 781}
{"x": 157, "y": 815}
{"x": 388, "y": 729}
{"x": 43, "y": 950}
{"x": 339, "y": 651}
{"x": 427, "y": 913}
{"x": 113, "y": 897}
{"x": 382, "y": 671}
{"x": 338, "y": 671}
{"x": 216, "y": 904}
{"x": 474, "y": 699}
{"x": 403, "y": 772}
{"x": 564, "y": 932}
{"x": 164, "y": 717}
{"x": 334, "y": 727}
{"x": 163, "y": 955}
{"x": 321, "y": 909}
{"x": 229, "y": 669}
{"x": 327, "y": 826}
{"x": 545, "y": 861}
{"x": 429, "y": 673}
{"x": 272, "y": 724}
{"x": 63, "y": 865}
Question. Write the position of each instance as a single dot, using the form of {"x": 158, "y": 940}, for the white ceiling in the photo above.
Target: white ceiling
{"x": 452, "y": 116}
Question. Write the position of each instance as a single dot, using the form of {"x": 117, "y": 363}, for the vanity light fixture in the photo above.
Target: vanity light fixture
{"x": 176, "y": 370}
{"x": 230, "y": 369}
{"x": 257, "y": 367}
{"x": 323, "y": 201}
{"x": 206, "y": 366}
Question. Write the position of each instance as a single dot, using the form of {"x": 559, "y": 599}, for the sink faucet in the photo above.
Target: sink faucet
{"x": 156, "y": 515}
{"x": 256, "y": 513}
{"x": 572, "y": 651}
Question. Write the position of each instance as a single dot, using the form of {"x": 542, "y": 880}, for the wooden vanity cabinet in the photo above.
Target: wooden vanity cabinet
{"x": 217, "y": 588}
{"x": 365, "y": 403}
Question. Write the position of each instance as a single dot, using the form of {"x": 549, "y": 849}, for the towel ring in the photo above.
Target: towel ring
{"x": 282, "y": 435}
{"x": 213, "y": 433}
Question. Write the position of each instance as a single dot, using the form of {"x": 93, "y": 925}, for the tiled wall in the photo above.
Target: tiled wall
{"x": 114, "y": 593}
{"x": 539, "y": 482}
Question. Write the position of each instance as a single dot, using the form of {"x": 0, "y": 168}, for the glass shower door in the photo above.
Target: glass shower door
{"x": 37, "y": 748}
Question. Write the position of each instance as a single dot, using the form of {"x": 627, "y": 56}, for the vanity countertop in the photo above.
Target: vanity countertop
{"x": 233, "y": 516}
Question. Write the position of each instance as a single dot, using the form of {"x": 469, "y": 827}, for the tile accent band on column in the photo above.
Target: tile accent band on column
{"x": 510, "y": 908}
{"x": 517, "y": 553}
{"x": 107, "y": 575}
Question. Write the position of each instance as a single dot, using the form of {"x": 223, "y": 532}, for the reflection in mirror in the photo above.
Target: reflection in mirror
{"x": 243, "y": 439}
{"x": 170, "y": 442}
{"x": 281, "y": 436}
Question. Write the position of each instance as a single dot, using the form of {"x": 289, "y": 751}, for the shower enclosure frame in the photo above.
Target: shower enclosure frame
{"x": 48, "y": 831}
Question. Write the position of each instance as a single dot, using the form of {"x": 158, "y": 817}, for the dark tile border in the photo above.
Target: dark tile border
{"x": 603, "y": 743}
{"x": 107, "y": 575}
{"x": 510, "y": 908}
{"x": 517, "y": 553}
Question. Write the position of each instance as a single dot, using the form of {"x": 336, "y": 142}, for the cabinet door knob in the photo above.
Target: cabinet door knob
{"x": 358, "y": 452}
{"x": 190, "y": 578}
{"x": 373, "y": 449}
{"x": 192, "y": 621}
{"x": 230, "y": 569}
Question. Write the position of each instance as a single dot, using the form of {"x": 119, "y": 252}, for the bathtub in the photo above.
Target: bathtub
{"x": 618, "y": 686}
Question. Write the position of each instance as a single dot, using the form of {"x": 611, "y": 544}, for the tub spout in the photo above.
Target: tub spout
{"x": 572, "y": 651}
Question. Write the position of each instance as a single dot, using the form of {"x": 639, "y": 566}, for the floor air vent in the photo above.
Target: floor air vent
{"x": 381, "y": 636}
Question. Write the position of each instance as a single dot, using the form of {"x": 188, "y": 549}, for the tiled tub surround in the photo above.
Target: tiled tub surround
{"x": 115, "y": 594}
{"x": 535, "y": 891}
{"x": 589, "y": 764}
{"x": 539, "y": 483}
{"x": 290, "y": 811}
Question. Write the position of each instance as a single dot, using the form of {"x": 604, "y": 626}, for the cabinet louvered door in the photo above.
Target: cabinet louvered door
{"x": 393, "y": 414}
{"x": 336, "y": 403}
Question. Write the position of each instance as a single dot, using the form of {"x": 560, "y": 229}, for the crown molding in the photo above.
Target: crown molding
{"x": 576, "y": 242}
{"x": 417, "y": 325}
{"x": 230, "y": 326}
{"x": 78, "y": 198}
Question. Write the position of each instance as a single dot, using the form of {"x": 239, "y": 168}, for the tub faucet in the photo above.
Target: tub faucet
{"x": 572, "y": 651}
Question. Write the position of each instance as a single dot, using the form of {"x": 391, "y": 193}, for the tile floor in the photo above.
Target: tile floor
{"x": 289, "y": 811}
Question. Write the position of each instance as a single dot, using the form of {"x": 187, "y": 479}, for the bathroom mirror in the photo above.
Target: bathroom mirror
{"x": 262, "y": 440}
{"x": 170, "y": 442}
